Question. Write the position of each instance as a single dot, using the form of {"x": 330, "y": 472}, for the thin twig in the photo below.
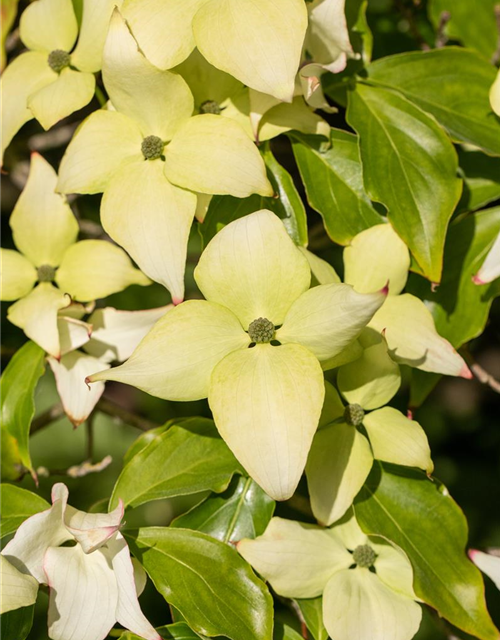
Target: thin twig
{"x": 441, "y": 37}
{"x": 89, "y": 424}
{"x": 47, "y": 417}
{"x": 409, "y": 16}
{"x": 495, "y": 58}
{"x": 479, "y": 373}
{"x": 124, "y": 416}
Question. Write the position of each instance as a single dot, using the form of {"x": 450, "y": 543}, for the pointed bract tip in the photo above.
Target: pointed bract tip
{"x": 466, "y": 373}
{"x": 385, "y": 290}
{"x": 88, "y": 381}
{"x": 34, "y": 154}
{"x": 177, "y": 301}
{"x": 434, "y": 286}
{"x": 471, "y": 553}
{"x": 477, "y": 280}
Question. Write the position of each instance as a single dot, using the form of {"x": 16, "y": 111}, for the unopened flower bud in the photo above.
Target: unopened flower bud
{"x": 58, "y": 60}
{"x": 364, "y": 556}
{"x": 261, "y": 330}
{"x": 354, "y": 414}
{"x": 152, "y": 147}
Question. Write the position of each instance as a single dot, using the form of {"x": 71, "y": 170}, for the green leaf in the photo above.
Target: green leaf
{"x": 481, "y": 179}
{"x": 296, "y": 219}
{"x": 410, "y": 166}
{"x": 18, "y": 505}
{"x": 207, "y": 581}
{"x": 419, "y": 516}
{"x": 312, "y": 610}
{"x": 186, "y": 458}
{"x": 17, "y": 391}
{"x": 473, "y": 23}
{"x": 242, "y": 511}
{"x": 284, "y": 631}
{"x": 11, "y": 466}
{"x": 460, "y": 308}
{"x": 452, "y": 84}
{"x": 17, "y": 624}
{"x": 333, "y": 180}
{"x": 287, "y": 205}
{"x": 177, "y": 631}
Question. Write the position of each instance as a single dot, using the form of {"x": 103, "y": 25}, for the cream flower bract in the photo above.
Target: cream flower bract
{"x": 91, "y": 583}
{"x": 257, "y": 42}
{"x": 378, "y": 256}
{"x": 50, "y": 81}
{"x": 45, "y": 232}
{"x": 349, "y": 569}
{"x": 341, "y": 457}
{"x": 253, "y": 347}
{"x": 147, "y": 153}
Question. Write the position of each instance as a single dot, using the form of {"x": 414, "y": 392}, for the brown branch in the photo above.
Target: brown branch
{"x": 47, "y": 417}
{"x": 479, "y": 373}
{"x": 409, "y": 16}
{"x": 441, "y": 37}
{"x": 124, "y": 416}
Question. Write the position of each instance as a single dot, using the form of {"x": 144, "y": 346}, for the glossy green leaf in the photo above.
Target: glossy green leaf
{"x": 410, "y": 166}
{"x": 17, "y": 505}
{"x": 17, "y": 624}
{"x": 175, "y": 631}
{"x": 420, "y": 517}
{"x": 186, "y": 458}
{"x": 452, "y": 84}
{"x": 481, "y": 175}
{"x": 296, "y": 220}
{"x": 242, "y": 511}
{"x": 333, "y": 181}
{"x": 284, "y": 631}
{"x": 17, "y": 391}
{"x": 460, "y": 308}
{"x": 312, "y": 610}
{"x": 11, "y": 467}
{"x": 206, "y": 580}
{"x": 473, "y": 23}
{"x": 287, "y": 205}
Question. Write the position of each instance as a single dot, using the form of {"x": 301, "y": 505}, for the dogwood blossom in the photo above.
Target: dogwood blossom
{"x": 45, "y": 231}
{"x": 490, "y": 269}
{"x": 341, "y": 457}
{"x": 91, "y": 583}
{"x": 350, "y": 570}
{"x": 256, "y": 42}
{"x": 266, "y": 400}
{"x": 377, "y": 256}
{"x": 112, "y": 336}
{"x": 489, "y": 563}
{"x": 147, "y": 153}
{"x": 50, "y": 81}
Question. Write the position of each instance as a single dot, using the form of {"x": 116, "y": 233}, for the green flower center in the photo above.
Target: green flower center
{"x": 58, "y": 60}
{"x": 152, "y": 147}
{"x": 364, "y": 556}
{"x": 354, "y": 414}
{"x": 46, "y": 273}
{"x": 210, "y": 106}
{"x": 261, "y": 330}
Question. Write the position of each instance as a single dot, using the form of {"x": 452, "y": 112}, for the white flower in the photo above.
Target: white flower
{"x": 91, "y": 584}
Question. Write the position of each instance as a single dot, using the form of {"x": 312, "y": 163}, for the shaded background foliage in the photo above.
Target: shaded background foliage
{"x": 459, "y": 416}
